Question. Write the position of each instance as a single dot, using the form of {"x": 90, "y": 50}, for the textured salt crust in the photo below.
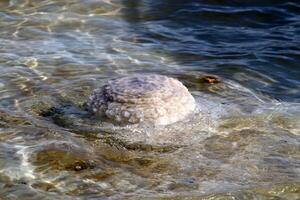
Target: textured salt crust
{"x": 156, "y": 99}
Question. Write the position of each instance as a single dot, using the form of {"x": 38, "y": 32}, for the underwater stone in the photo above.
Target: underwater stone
{"x": 155, "y": 99}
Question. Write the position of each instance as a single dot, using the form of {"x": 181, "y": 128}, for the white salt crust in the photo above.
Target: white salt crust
{"x": 155, "y": 99}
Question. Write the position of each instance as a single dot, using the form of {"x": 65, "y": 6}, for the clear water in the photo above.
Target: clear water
{"x": 244, "y": 142}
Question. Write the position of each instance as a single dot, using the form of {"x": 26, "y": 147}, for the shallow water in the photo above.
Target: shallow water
{"x": 243, "y": 143}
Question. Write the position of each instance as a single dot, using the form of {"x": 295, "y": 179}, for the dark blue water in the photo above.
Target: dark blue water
{"x": 256, "y": 43}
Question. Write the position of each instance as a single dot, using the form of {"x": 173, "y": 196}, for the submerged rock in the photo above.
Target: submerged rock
{"x": 58, "y": 159}
{"x": 155, "y": 99}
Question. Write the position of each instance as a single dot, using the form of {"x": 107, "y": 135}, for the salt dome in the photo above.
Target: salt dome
{"x": 154, "y": 99}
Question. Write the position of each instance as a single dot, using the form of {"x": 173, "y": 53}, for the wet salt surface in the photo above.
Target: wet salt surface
{"x": 242, "y": 143}
{"x": 136, "y": 99}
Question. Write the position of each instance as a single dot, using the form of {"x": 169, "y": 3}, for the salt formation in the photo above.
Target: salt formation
{"x": 154, "y": 99}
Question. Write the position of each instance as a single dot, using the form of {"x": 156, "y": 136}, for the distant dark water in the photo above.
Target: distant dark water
{"x": 256, "y": 43}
